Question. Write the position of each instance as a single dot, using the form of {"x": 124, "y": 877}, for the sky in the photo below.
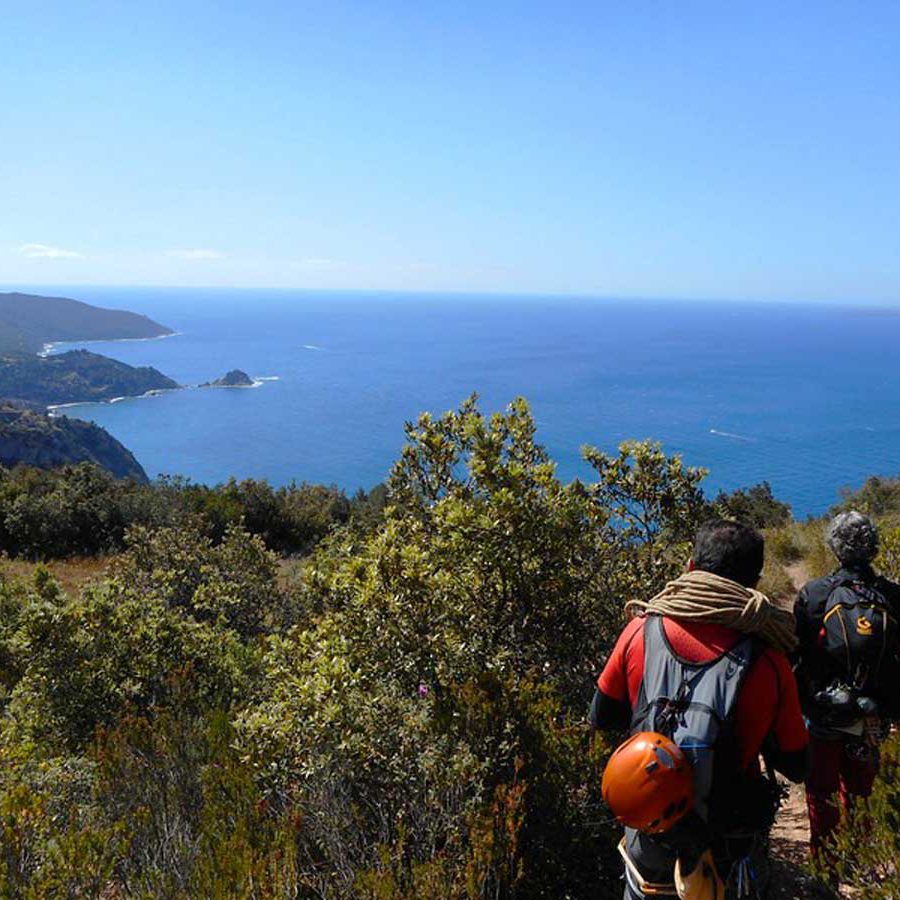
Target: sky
{"x": 629, "y": 149}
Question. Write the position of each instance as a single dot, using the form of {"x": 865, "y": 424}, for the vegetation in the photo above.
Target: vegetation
{"x": 755, "y": 506}
{"x": 30, "y": 438}
{"x": 878, "y": 497}
{"x": 407, "y": 720}
{"x": 74, "y": 377}
{"x": 27, "y": 322}
{"x": 404, "y": 718}
{"x": 82, "y": 510}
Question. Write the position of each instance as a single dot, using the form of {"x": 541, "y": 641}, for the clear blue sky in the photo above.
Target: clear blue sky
{"x": 656, "y": 148}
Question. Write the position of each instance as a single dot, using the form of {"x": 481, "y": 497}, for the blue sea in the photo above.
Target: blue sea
{"x": 803, "y": 396}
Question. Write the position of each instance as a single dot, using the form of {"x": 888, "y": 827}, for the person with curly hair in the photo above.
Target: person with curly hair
{"x": 848, "y": 665}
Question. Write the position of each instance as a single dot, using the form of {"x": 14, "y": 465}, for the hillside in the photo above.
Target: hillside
{"x": 35, "y": 439}
{"x": 28, "y": 321}
{"x": 75, "y": 376}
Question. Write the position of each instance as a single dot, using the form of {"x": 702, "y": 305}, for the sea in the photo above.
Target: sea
{"x": 802, "y": 396}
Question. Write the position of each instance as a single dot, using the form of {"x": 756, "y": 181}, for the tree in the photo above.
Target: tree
{"x": 435, "y": 700}
{"x": 755, "y": 506}
{"x": 654, "y": 504}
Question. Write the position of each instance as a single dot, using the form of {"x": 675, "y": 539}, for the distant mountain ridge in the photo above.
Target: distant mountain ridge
{"x": 32, "y": 438}
{"x": 28, "y": 321}
{"x": 75, "y": 376}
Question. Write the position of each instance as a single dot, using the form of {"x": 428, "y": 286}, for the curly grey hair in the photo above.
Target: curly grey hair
{"x": 852, "y": 537}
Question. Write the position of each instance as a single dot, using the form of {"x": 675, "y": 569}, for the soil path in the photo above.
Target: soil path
{"x": 798, "y": 573}
{"x": 790, "y": 849}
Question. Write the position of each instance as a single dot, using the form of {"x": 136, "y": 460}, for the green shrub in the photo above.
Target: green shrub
{"x": 232, "y": 584}
{"x": 431, "y": 721}
{"x": 83, "y": 510}
{"x": 784, "y": 544}
{"x": 755, "y": 506}
{"x": 877, "y": 497}
{"x": 775, "y": 581}
{"x": 888, "y": 560}
{"x": 93, "y": 658}
{"x": 408, "y": 722}
{"x": 863, "y": 854}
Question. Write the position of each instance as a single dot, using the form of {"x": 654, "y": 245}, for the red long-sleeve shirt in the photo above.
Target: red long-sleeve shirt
{"x": 768, "y": 703}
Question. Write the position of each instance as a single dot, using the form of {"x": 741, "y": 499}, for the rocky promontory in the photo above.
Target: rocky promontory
{"x": 75, "y": 377}
{"x": 28, "y": 322}
{"x": 32, "y": 438}
{"x": 232, "y": 379}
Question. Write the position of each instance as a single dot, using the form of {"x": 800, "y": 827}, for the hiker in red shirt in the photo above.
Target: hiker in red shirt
{"x": 710, "y": 643}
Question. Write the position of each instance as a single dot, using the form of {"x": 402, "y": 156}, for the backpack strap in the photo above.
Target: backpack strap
{"x": 671, "y": 684}
{"x": 692, "y": 703}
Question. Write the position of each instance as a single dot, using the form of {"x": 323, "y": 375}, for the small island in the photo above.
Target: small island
{"x": 233, "y": 379}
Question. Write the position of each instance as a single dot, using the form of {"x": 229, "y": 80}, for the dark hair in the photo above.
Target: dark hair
{"x": 729, "y": 549}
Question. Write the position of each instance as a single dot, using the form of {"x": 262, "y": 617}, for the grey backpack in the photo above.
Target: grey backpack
{"x": 692, "y": 703}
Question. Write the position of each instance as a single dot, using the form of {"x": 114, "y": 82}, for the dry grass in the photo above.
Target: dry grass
{"x": 72, "y": 574}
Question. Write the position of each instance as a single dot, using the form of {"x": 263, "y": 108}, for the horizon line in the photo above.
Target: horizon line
{"x": 573, "y": 295}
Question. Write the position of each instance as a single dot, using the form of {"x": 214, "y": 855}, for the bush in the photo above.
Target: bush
{"x": 452, "y": 749}
{"x": 409, "y": 722}
{"x": 784, "y": 544}
{"x": 755, "y": 506}
{"x": 775, "y": 581}
{"x": 877, "y": 497}
{"x": 865, "y": 848}
{"x": 232, "y": 584}
{"x": 92, "y": 659}
{"x": 82, "y": 510}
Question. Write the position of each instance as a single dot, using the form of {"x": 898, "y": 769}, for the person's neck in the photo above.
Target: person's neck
{"x": 858, "y": 568}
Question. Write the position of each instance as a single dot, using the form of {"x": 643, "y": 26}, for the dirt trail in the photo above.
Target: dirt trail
{"x": 790, "y": 849}
{"x": 798, "y": 573}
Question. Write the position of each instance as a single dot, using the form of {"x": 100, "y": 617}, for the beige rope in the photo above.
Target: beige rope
{"x": 703, "y": 597}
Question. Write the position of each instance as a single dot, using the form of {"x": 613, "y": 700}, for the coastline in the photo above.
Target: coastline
{"x": 52, "y": 408}
{"x": 50, "y": 346}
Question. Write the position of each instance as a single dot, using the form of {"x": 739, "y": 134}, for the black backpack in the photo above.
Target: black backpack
{"x": 859, "y": 634}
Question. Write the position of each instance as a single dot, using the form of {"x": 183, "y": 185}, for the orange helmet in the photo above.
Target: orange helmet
{"x": 648, "y": 783}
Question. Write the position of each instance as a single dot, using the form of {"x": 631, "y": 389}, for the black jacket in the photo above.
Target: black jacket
{"x": 815, "y": 669}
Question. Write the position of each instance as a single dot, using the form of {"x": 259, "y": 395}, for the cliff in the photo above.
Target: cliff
{"x": 35, "y": 439}
{"x": 28, "y": 321}
{"x": 75, "y": 376}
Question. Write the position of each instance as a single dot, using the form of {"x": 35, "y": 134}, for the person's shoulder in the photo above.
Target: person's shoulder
{"x": 772, "y": 667}
{"x": 823, "y": 583}
{"x": 818, "y": 588}
{"x": 775, "y": 659}
{"x": 629, "y": 641}
{"x": 629, "y": 632}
